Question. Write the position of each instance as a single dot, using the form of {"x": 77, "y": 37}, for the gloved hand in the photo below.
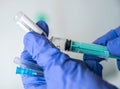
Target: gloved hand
{"x": 111, "y": 40}
{"x": 60, "y": 71}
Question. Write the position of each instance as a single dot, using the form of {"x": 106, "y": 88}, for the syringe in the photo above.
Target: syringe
{"x": 64, "y": 44}
{"x": 27, "y": 24}
{"x": 80, "y": 47}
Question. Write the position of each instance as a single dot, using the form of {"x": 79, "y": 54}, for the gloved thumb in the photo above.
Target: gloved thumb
{"x": 114, "y": 49}
{"x": 43, "y": 25}
{"x": 113, "y": 46}
{"x": 103, "y": 40}
{"x": 112, "y": 34}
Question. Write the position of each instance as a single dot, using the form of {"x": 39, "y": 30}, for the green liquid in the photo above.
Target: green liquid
{"x": 91, "y": 49}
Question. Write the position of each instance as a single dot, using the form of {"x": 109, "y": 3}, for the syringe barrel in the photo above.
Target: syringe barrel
{"x": 27, "y": 24}
{"x": 80, "y": 47}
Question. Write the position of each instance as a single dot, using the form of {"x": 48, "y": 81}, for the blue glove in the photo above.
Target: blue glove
{"x": 112, "y": 41}
{"x": 93, "y": 61}
{"x": 60, "y": 71}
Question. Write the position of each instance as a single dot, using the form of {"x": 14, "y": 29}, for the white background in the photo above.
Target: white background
{"x": 79, "y": 20}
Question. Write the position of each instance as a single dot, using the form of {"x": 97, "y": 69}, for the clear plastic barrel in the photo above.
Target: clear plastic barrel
{"x": 58, "y": 42}
{"x": 27, "y": 24}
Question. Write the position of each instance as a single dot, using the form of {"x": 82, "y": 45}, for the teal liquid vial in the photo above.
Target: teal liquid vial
{"x": 92, "y": 49}
{"x": 80, "y": 47}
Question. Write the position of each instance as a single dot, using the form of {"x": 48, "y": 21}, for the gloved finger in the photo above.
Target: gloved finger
{"x": 40, "y": 48}
{"x": 32, "y": 82}
{"x": 92, "y": 57}
{"x": 112, "y": 34}
{"x": 93, "y": 63}
{"x": 103, "y": 40}
{"x": 43, "y": 25}
{"x": 25, "y": 55}
{"x": 113, "y": 47}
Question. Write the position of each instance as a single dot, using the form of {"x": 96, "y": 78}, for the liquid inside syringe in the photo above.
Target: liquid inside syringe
{"x": 80, "y": 47}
